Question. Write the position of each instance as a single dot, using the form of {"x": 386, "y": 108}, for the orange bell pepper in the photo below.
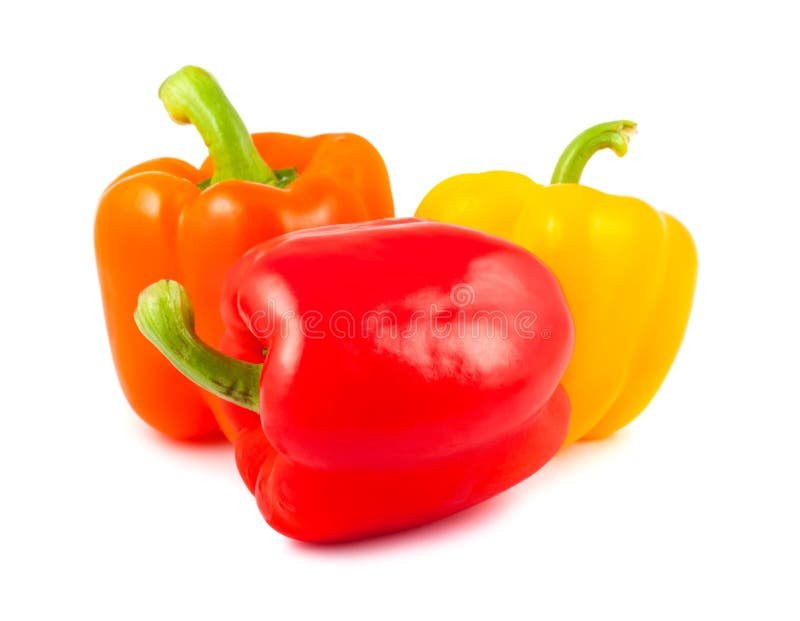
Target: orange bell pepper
{"x": 166, "y": 219}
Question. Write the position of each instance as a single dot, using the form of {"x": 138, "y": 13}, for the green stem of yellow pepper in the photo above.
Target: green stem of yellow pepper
{"x": 614, "y": 135}
{"x": 192, "y": 95}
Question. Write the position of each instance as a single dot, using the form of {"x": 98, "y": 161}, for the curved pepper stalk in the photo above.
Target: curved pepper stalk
{"x": 192, "y": 95}
{"x": 614, "y": 135}
{"x": 165, "y": 316}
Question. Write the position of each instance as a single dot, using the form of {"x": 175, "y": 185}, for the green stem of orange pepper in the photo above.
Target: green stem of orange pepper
{"x": 192, "y": 95}
{"x": 614, "y": 135}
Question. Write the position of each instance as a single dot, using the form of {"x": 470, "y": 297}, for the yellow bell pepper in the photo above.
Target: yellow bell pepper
{"x": 628, "y": 272}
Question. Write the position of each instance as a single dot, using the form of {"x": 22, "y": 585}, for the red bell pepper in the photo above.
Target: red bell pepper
{"x": 412, "y": 370}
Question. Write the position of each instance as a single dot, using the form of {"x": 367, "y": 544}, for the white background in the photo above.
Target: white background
{"x": 691, "y": 512}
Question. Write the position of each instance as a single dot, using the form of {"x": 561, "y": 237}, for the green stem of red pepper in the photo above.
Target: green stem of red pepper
{"x": 165, "y": 316}
{"x": 192, "y": 95}
{"x": 614, "y": 135}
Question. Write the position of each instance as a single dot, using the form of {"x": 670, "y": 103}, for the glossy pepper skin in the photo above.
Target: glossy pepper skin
{"x": 156, "y": 221}
{"x": 387, "y": 399}
{"x": 627, "y": 270}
